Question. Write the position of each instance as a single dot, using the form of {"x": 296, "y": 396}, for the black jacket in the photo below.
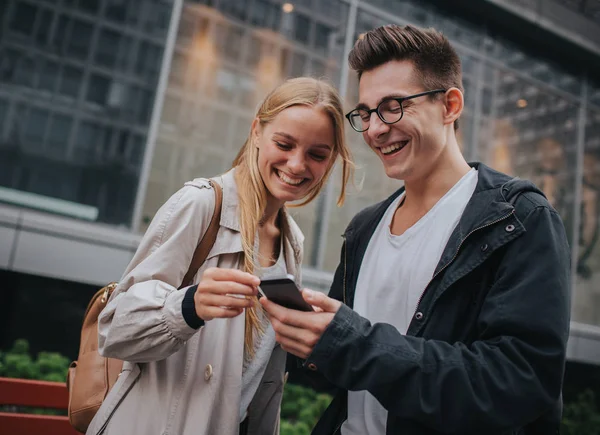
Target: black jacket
{"x": 485, "y": 350}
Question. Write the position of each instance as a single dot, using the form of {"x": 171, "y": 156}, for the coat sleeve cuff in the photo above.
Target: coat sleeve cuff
{"x": 337, "y": 329}
{"x": 173, "y": 316}
{"x": 188, "y": 309}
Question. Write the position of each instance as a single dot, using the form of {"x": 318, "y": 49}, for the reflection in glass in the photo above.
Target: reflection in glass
{"x": 229, "y": 66}
{"x": 586, "y": 308}
{"x": 535, "y": 137}
{"x": 56, "y": 56}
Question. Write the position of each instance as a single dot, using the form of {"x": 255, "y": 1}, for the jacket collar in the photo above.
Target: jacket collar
{"x": 487, "y": 203}
{"x": 230, "y": 215}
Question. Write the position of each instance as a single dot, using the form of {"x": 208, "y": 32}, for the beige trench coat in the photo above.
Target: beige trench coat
{"x": 176, "y": 379}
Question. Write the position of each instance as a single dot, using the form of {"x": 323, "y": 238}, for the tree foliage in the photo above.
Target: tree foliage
{"x": 301, "y": 408}
{"x": 47, "y": 366}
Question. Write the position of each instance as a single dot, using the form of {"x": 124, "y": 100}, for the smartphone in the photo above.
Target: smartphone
{"x": 284, "y": 292}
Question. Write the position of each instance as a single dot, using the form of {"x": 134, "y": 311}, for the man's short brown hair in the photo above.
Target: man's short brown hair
{"x": 436, "y": 62}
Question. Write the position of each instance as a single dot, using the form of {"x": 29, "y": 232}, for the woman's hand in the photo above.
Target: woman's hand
{"x": 223, "y": 293}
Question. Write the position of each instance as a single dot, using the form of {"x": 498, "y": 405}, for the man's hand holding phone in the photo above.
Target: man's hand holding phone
{"x": 298, "y": 331}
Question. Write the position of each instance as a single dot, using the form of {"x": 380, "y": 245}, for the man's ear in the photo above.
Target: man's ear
{"x": 454, "y": 103}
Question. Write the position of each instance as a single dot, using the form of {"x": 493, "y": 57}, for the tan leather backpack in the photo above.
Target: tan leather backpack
{"x": 91, "y": 377}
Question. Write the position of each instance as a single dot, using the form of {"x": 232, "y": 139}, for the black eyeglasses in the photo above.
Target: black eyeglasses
{"x": 389, "y": 111}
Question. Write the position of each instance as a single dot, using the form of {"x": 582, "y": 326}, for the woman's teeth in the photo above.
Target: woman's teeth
{"x": 289, "y": 180}
{"x": 394, "y": 147}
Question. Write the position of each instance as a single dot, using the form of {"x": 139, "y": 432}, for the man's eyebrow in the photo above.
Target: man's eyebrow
{"x": 385, "y": 97}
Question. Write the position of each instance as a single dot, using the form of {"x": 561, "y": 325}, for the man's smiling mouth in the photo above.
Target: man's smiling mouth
{"x": 390, "y": 149}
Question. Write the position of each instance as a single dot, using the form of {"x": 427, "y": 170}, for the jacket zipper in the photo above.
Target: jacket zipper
{"x": 456, "y": 254}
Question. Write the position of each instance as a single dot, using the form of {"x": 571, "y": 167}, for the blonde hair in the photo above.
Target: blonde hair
{"x": 252, "y": 191}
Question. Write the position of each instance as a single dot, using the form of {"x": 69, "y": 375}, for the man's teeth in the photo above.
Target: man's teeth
{"x": 288, "y": 180}
{"x": 393, "y": 147}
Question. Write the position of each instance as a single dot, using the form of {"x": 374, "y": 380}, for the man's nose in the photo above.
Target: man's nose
{"x": 377, "y": 127}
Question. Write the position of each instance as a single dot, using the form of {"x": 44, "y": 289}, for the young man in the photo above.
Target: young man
{"x": 455, "y": 289}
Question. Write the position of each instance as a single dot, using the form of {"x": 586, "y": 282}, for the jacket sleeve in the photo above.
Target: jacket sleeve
{"x": 507, "y": 378}
{"x": 296, "y": 365}
{"x": 143, "y": 320}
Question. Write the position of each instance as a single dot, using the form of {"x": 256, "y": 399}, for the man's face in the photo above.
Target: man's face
{"x": 410, "y": 148}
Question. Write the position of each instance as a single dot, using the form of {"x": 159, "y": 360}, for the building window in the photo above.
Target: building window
{"x": 322, "y": 34}
{"x": 25, "y": 72}
{"x": 80, "y": 37}
{"x": 107, "y": 48}
{"x": 70, "y": 81}
{"x": 148, "y": 61}
{"x": 136, "y": 153}
{"x": 42, "y": 33}
{"x": 37, "y": 122}
{"x": 23, "y": 18}
{"x": 302, "y": 29}
{"x": 89, "y": 136}
{"x": 89, "y": 6}
{"x": 116, "y": 10}
{"x": 48, "y": 77}
{"x": 98, "y": 89}
{"x": 60, "y": 34}
{"x": 125, "y": 55}
{"x": 58, "y": 135}
{"x": 3, "y": 115}
{"x": 146, "y": 106}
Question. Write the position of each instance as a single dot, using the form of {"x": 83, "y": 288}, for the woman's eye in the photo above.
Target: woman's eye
{"x": 283, "y": 146}
{"x": 319, "y": 157}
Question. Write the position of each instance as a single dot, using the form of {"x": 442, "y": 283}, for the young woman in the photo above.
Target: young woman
{"x": 203, "y": 359}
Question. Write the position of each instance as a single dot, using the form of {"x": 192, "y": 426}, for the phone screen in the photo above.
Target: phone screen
{"x": 284, "y": 292}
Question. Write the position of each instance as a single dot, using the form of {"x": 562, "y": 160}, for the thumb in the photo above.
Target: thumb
{"x": 320, "y": 300}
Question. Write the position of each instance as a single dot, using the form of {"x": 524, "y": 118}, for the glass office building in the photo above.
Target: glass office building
{"x": 78, "y": 81}
{"x": 525, "y": 115}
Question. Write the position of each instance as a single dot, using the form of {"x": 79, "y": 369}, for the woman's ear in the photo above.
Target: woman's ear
{"x": 454, "y": 103}
{"x": 255, "y": 132}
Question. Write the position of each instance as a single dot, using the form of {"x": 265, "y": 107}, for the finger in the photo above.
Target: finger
{"x": 320, "y": 300}
{"x": 226, "y": 287}
{"x": 221, "y": 312}
{"x": 288, "y": 316}
{"x": 291, "y": 333}
{"x": 297, "y": 349}
{"x": 212, "y": 300}
{"x": 221, "y": 274}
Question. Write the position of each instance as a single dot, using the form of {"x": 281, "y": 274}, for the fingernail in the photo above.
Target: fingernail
{"x": 309, "y": 293}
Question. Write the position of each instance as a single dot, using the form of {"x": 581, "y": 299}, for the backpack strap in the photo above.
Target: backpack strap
{"x": 209, "y": 238}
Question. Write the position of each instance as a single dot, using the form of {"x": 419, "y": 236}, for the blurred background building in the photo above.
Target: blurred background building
{"x": 108, "y": 106}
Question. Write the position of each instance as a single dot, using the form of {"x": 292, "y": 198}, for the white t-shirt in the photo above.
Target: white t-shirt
{"x": 254, "y": 369}
{"x": 394, "y": 273}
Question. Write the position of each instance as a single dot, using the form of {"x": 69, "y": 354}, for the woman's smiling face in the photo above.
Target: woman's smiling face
{"x": 295, "y": 151}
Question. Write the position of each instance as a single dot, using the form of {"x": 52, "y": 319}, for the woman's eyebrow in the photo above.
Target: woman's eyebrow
{"x": 285, "y": 135}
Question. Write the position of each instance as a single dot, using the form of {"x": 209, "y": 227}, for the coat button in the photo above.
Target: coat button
{"x": 419, "y": 315}
{"x": 208, "y": 372}
{"x": 313, "y": 367}
{"x": 484, "y": 247}
{"x": 509, "y": 228}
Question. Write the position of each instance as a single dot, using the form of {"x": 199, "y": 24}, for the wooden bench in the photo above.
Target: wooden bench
{"x": 35, "y": 394}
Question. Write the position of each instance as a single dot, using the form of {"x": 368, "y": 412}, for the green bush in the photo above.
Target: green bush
{"x": 301, "y": 408}
{"x": 48, "y": 366}
{"x": 18, "y": 363}
{"x": 581, "y": 416}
